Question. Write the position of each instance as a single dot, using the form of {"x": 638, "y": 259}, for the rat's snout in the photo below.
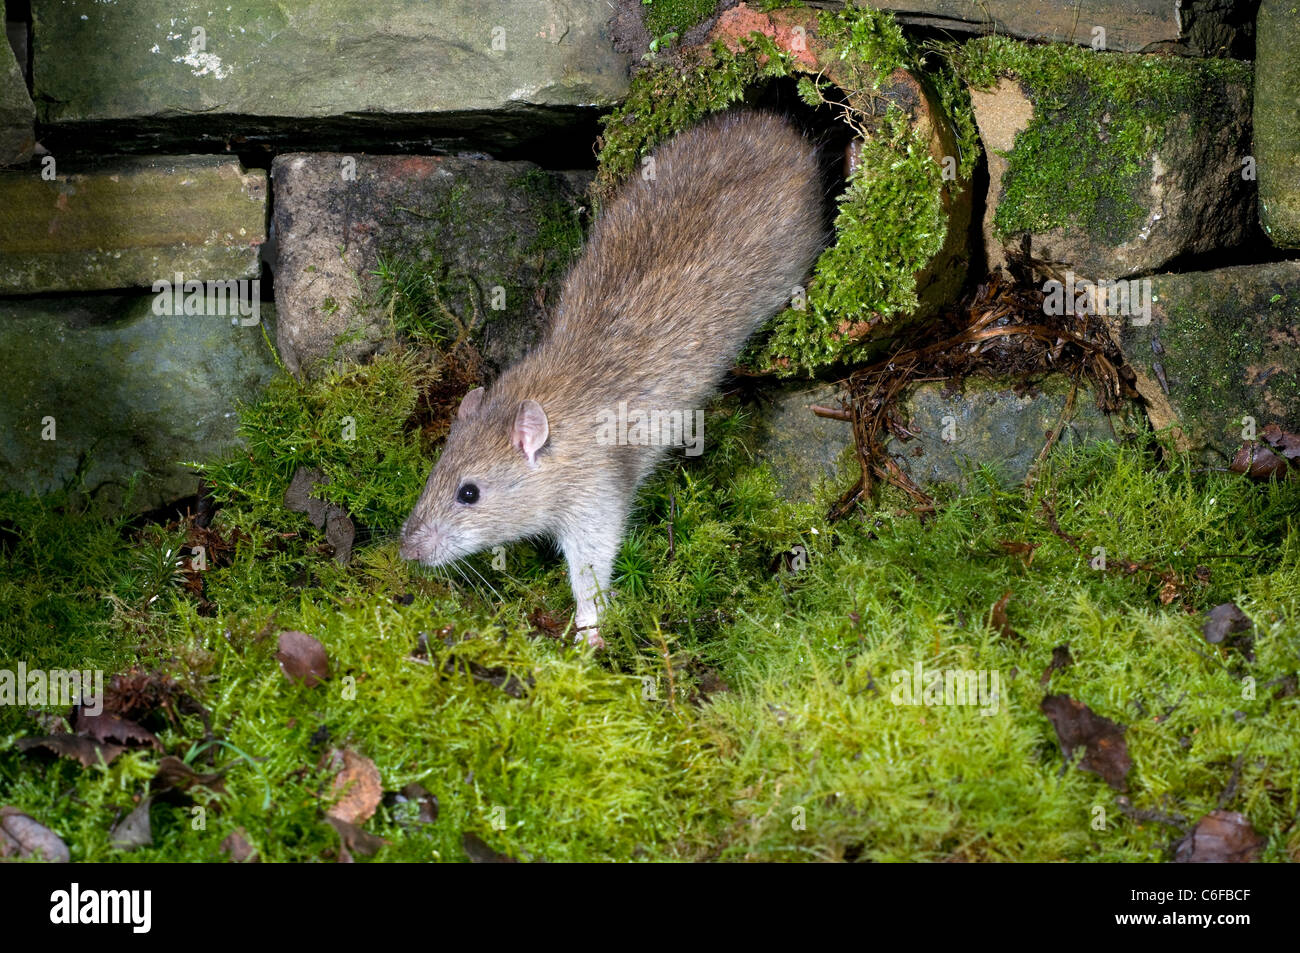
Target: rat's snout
{"x": 407, "y": 549}
{"x": 417, "y": 539}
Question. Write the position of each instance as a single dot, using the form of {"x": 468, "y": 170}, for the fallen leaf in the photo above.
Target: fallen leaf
{"x": 106, "y": 727}
{"x": 302, "y": 658}
{"x": 1077, "y": 725}
{"x": 998, "y": 618}
{"x": 175, "y": 775}
{"x": 1061, "y": 658}
{"x": 240, "y": 850}
{"x": 354, "y": 840}
{"x": 340, "y": 532}
{"x": 298, "y": 498}
{"x": 24, "y": 838}
{"x": 133, "y": 830}
{"x": 480, "y": 853}
{"x": 1257, "y": 462}
{"x": 1284, "y": 443}
{"x": 86, "y": 750}
{"x": 1220, "y": 837}
{"x": 358, "y": 787}
{"x": 1224, "y": 621}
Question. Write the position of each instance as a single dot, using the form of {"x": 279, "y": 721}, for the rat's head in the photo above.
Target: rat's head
{"x": 485, "y": 489}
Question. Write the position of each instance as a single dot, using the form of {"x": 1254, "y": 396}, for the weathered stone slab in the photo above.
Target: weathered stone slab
{"x": 1220, "y": 27}
{"x": 485, "y": 238}
{"x": 487, "y": 74}
{"x": 1112, "y": 165}
{"x": 17, "y": 114}
{"x": 998, "y": 424}
{"x": 128, "y": 392}
{"x": 1277, "y": 120}
{"x": 130, "y": 223}
{"x": 991, "y": 423}
{"x": 1220, "y": 358}
{"x": 804, "y": 450}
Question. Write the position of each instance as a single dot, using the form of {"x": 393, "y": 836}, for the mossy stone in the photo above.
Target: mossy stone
{"x": 17, "y": 114}
{"x": 1111, "y": 164}
{"x": 469, "y": 73}
{"x": 1002, "y": 425}
{"x": 804, "y": 450}
{"x": 372, "y": 248}
{"x": 1277, "y": 120}
{"x": 130, "y": 392}
{"x": 1220, "y": 358}
{"x": 129, "y": 222}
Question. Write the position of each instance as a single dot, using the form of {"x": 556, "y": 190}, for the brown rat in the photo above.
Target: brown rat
{"x": 685, "y": 262}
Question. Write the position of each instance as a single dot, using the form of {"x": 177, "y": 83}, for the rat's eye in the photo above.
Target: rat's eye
{"x": 468, "y": 493}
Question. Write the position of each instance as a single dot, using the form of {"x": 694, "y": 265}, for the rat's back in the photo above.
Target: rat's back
{"x": 702, "y": 245}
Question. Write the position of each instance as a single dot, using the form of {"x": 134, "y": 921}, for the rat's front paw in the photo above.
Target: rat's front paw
{"x": 592, "y": 635}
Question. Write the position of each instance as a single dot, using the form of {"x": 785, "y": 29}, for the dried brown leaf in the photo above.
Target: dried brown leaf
{"x": 1221, "y": 837}
{"x": 24, "y": 838}
{"x": 998, "y": 618}
{"x": 106, "y": 727}
{"x": 1077, "y": 725}
{"x": 1283, "y": 442}
{"x": 175, "y": 775}
{"x": 358, "y": 787}
{"x": 480, "y": 853}
{"x": 1061, "y": 658}
{"x": 303, "y": 658}
{"x": 240, "y": 850}
{"x": 354, "y": 840}
{"x": 134, "y": 830}
{"x": 86, "y": 750}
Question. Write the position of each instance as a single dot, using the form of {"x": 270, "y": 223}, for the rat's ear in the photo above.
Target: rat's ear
{"x": 530, "y": 430}
{"x": 470, "y": 403}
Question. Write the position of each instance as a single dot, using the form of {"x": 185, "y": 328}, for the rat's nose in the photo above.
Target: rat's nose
{"x": 407, "y": 549}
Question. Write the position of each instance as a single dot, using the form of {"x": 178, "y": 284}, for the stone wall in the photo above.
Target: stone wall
{"x": 191, "y": 192}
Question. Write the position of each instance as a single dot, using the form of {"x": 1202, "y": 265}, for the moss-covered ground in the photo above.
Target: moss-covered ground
{"x": 743, "y": 709}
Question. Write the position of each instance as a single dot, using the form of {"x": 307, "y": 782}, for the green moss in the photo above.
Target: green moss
{"x": 62, "y": 566}
{"x": 609, "y": 757}
{"x": 1097, "y": 117}
{"x": 675, "y": 17}
{"x": 1212, "y": 349}
{"x": 890, "y": 221}
{"x": 869, "y": 274}
{"x": 559, "y": 234}
{"x": 428, "y": 299}
{"x": 661, "y": 102}
{"x": 351, "y": 424}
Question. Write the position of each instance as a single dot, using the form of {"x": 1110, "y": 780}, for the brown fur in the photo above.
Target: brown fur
{"x": 678, "y": 272}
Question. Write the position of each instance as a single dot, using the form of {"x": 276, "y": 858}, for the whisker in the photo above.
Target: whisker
{"x": 485, "y": 582}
